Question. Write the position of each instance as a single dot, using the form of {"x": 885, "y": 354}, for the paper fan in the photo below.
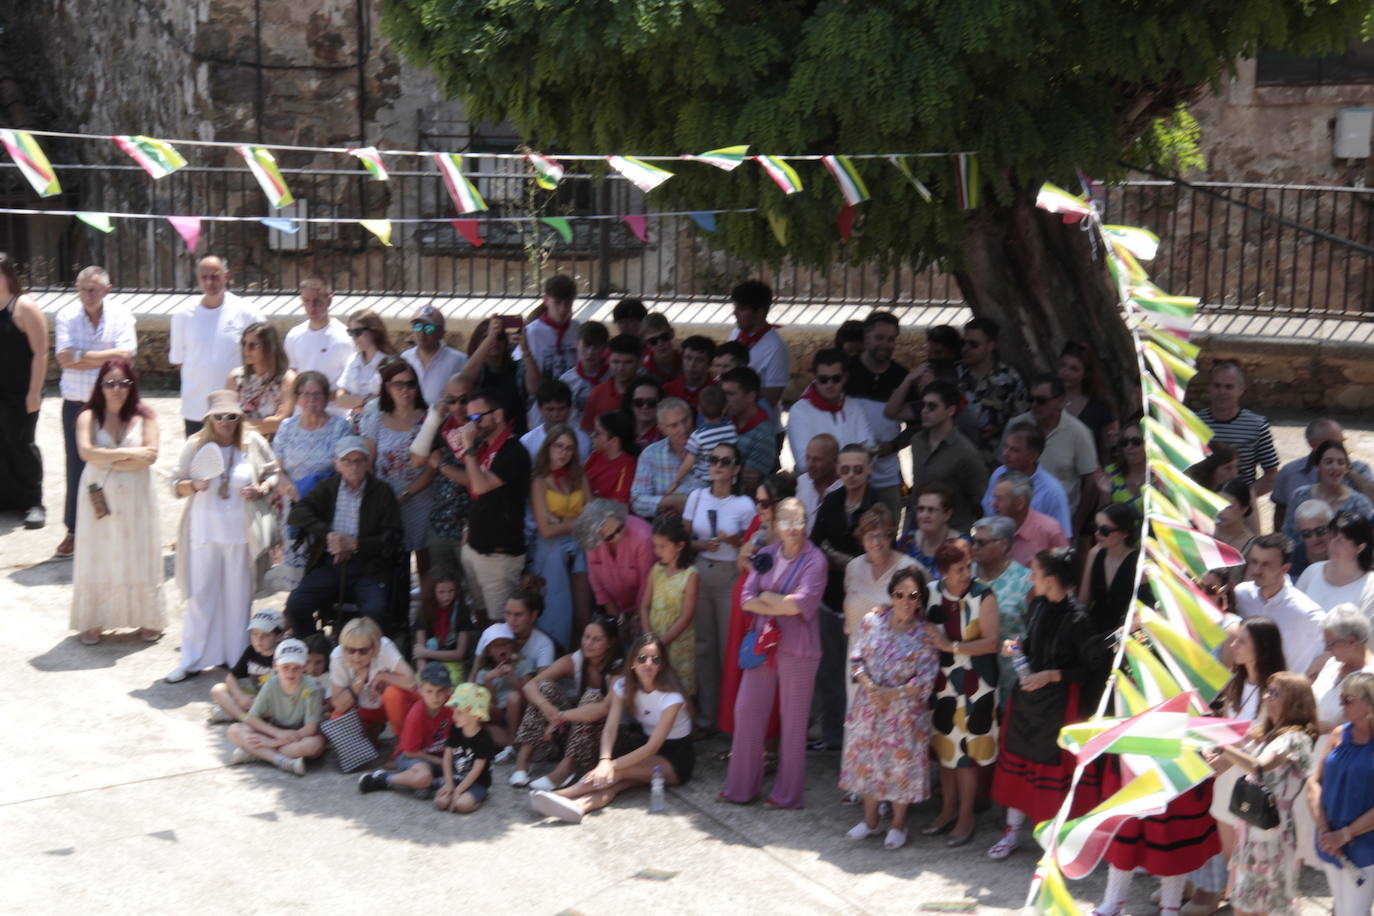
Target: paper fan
{"x": 207, "y": 463}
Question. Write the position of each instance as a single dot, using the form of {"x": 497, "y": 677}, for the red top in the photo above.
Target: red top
{"x": 423, "y": 733}
{"x": 603, "y": 398}
{"x": 678, "y": 388}
{"x": 611, "y": 479}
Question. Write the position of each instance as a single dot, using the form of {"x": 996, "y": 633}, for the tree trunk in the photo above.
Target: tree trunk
{"x": 1045, "y": 283}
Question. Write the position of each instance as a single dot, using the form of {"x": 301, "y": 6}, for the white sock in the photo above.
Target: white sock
{"x": 1171, "y": 891}
{"x": 1118, "y": 883}
{"x": 281, "y": 761}
{"x": 1015, "y": 818}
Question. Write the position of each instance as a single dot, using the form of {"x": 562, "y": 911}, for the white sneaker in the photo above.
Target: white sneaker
{"x": 177, "y": 675}
{"x": 545, "y": 784}
{"x": 505, "y": 755}
{"x": 519, "y": 779}
{"x": 293, "y": 765}
{"x": 240, "y": 756}
{"x": 860, "y": 831}
{"x": 219, "y": 715}
{"x": 550, "y": 804}
{"x": 896, "y": 839}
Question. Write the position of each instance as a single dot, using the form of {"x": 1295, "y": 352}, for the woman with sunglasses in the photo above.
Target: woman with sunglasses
{"x": 389, "y": 434}
{"x": 117, "y": 575}
{"x": 1340, "y": 795}
{"x": 1123, "y": 479}
{"x": 360, "y": 382}
{"x": 620, "y": 554}
{"x": 651, "y": 694}
{"x": 640, "y": 406}
{"x": 1345, "y": 576}
{"x": 893, "y": 661}
{"x": 226, "y": 474}
{"x": 717, "y": 517}
{"x": 265, "y": 382}
{"x": 304, "y": 445}
{"x": 783, "y": 597}
{"x": 1110, "y": 584}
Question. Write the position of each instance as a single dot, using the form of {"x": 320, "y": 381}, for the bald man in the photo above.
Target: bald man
{"x": 205, "y": 336}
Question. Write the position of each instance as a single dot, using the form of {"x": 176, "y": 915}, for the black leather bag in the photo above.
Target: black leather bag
{"x": 1253, "y": 803}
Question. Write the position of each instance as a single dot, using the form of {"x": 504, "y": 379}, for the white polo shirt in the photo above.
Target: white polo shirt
{"x": 1297, "y": 616}
{"x": 72, "y": 330}
{"x": 326, "y": 351}
{"x": 205, "y": 343}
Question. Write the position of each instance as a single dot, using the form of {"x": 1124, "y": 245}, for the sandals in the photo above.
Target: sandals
{"x": 1011, "y": 838}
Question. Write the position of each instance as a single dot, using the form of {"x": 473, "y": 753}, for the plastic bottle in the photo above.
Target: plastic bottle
{"x": 657, "y": 803}
{"x": 1020, "y": 662}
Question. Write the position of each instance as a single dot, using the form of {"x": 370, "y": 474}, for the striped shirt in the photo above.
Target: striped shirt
{"x": 73, "y": 331}
{"x": 704, "y": 440}
{"x": 1248, "y": 433}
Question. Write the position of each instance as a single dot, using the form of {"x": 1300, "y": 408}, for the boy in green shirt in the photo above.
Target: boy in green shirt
{"x": 283, "y": 726}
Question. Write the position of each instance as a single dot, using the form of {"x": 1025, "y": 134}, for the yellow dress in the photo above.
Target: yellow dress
{"x": 665, "y": 607}
{"x": 564, "y": 505}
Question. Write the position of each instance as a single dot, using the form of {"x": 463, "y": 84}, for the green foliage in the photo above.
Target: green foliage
{"x": 1038, "y": 88}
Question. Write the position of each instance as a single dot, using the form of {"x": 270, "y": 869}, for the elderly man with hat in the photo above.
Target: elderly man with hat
{"x": 434, "y": 361}
{"x": 226, "y": 472}
{"x": 353, "y": 525}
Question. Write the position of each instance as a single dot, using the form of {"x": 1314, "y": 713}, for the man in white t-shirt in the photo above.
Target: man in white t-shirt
{"x": 822, "y": 475}
{"x": 433, "y": 360}
{"x": 824, "y": 408}
{"x": 204, "y": 339}
{"x": 1268, "y": 592}
{"x": 768, "y": 354}
{"x": 320, "y": 343}
{"x": 551, "y": 339}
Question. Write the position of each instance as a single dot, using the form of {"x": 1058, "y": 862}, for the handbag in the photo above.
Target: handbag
{"x": 760, "y": 642}
{"x": 1252, "y": 802}
{"x": 350, "y": 742}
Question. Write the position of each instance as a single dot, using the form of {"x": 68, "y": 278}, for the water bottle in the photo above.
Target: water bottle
{"x": 1020, "y": 662}
{"x": 657, "y": 803}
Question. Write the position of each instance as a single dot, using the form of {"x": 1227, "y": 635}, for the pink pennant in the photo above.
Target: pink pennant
{"x": 467, "y": 228}
{"x": 845, "y": 220}
{"x": 636, "y": 222}
{"x": 188, "y": 227}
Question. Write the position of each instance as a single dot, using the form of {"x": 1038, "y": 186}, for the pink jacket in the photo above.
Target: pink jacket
{"x": 619, "y": 578}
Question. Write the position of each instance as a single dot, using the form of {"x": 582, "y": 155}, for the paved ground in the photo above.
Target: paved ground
{"x": 118, "y": 798}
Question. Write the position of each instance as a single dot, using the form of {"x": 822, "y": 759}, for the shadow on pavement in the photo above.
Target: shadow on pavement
{"x": 51, "y": 571}
{"x": 71, "y": 655}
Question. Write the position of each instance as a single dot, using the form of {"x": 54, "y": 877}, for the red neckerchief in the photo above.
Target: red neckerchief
{"x": 592, "y": 380}
{"x": 749, "y": 338}
{"x": 813, "y": 397}
{"x": 559, "y": 476}
{"x": 760, "y": 415}
{"x": 486, "y": 452}
{"x": 678, "y": 387}
{"x": 649, "y": 366}
{"x": 450, "y": 432}
{"x": 560, "y": 328}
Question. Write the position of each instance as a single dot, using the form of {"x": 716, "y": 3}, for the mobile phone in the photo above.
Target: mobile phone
{"x": 512, "y": 322}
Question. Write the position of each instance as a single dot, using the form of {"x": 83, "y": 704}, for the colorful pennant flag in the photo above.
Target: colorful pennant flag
{"x": 705, "y": 219}
{"x": 547, "y": 172}
{"x": 638, "y": 225}
{"x": 372, "y": 161}
{"x": 1174, "y": 314}
{"x": 783, "y": 175}
{"x": 1182, "y": 604}
{"x": 778, "y": 223}
{"x": 462, "y": 191}
{"x": 727, "y": 158}
{"x": 1150, "y": 674}
{"x": 157, "y": 157}
{"x": 1167, "y": 446}
{"x": 188, "y": 227}
{"x": 263, "y": 165}
{"x": 1169, "y": 342}
{"x": 1155, "y": 730}
{"x": 641, "y": 174}
{"x": 1142, "y": 243}
{"x": 99, "y": 221}
{"x": 1171, "y": 371}
{"x": 1128, "y": 696}
{"x": 1197, "y": 551}
{"x": 904, "y": 167}
{"x": 1056, "y": 200}
{"x": 1201, "y": 503}
{"x": 1187, "y": 425}
{"x": 1207, "y": 675}
{"x": 289, "y": 226}
{"x": 845, "y": 220}
{"x": 1051, "y": 894}
{"x": 1157, "y": 502}
{"x": 560, "y": 225}
{"x": 378, "y": 227}
{"x": 852, "y": 186}
{"x": 470, "y": 230}
{"x": 28, "y": 155}
{"x": 966, "y": 180}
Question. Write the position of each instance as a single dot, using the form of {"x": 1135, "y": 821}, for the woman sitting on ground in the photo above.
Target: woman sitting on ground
{"x": 651, "y": 694}
{"x": 368, "y": 672}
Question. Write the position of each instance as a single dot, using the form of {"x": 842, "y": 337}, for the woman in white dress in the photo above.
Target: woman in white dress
{"x": 226, "y": 534}
{"x": 360, "y": 383}
{"x": 117, "y": 577}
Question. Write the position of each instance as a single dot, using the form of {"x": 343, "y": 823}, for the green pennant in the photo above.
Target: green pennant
{"x": 99, "y": 221}
{"x": 560, "y": 225}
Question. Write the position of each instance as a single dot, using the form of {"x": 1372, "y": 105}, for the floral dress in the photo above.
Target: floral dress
{"x": 1264, "y": 868}
{"x": 665, "y": 607}
{"x": 886, "y": 750}
{"x": 259, "y": 397}
{"x": 965, "y": 708}
{"x": 393, "y": 466}
{"x": 306, "y": 457}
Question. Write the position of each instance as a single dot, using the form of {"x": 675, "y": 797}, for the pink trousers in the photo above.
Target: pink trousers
{"x": 794, "y": 679}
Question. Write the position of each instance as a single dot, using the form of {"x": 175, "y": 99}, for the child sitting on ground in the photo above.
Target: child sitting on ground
{"x": 317, "y": 665}
{"x": 443, "y": 628}
{"x": 419, "y": 761}
{"x": 501, "y": 670}
{"x": 234, "y": 696}
{"x": 283, "y": 725}
{"x": 468, "y": 752}
{"x": 715, "y": 429}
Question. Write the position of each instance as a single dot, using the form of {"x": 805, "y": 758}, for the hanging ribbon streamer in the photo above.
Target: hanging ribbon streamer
{"x": 372, "y": 161}
{"x": 470, "y": 230}
{"x": 966, "y": 180}
{"x": 289, "y": 226}
{"x": 157, "y": 157}
{"x": 778, "y": 223}
{"x": 28, "y": 155}
{"x": 705, "y": 219}
{"x": 263, "y": 165}
{"x": 904, "y": 166}
{"x": 560, "y": 225}
{"x": 845, "y": 220}
{"x": 463, "y": 192}
{"x": 638, "y": 225}
{"x": 852, "y": 186}
{"x": 783, "y": 175}
{"x": 99, "y": 221}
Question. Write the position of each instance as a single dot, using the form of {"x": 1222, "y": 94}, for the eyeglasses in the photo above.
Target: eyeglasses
{"x": 1106, "y": 530}
{"x": 420, "y": 327}
{"x": 1132, "y": 441}
{"x": 983, "y": 542}
{"x": 358, "y": 650}
{"x": 474, "y": 417}
{"x": 615, "y": 533}
{"x": 224, "y": 417}
{"x": 117, "y": 383}
{"x": 455, "y": 399}
{"x": 847, "y": 469}
{"x": 1309, "y": 533}
{"x": 658, "y": 338}
{"x": 645, "y": 402}
{"x": 829, "y": 379}
{"x": 403, "y": 383}
{"x": 1041, "y": 400}
{"x": 790, "y": 524}
{"x": 906, "y": 596}
{"x": 648, "y": 659}
{"x": 764, "y": 504}
{"x": 724, "y": 461}
{"x": 356, "y": 332}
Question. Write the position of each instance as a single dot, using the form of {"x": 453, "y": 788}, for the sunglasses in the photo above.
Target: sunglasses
{"x": 1134, "y": 441}
{"x": 645, "y": 402}
{"x": 764, "y": 504}
{"x": 403, "y": 383}
{"x": 459, "y": 399}
{"x": 1106, "y": 530}
{"x": 224, "y": 417}
{"x": 1309, "y": 533}
{"x": 356, "y": 332}
{"x": 474, "y": 417}
{"x": 724, "y": 461}
{"x": 648, "y": 659}
{"x": 117, "y": 383}
{"x": 790, "y": 524}
{"x": 658, "y": 339}
{"x": 358, "y": 650}
{"x": 906, "y": 596}
{"x": 847, "y": 469}
{"x": 420, "y": 327}
{"x": 829, "y": 379}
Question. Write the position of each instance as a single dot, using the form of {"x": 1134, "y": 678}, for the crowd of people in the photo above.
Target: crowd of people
{"x": 613, "y": 565}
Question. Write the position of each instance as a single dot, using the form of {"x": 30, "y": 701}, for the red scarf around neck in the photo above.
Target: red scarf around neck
{"x": 749, "y": 338}
{"x": 812, "y": 396}
{"x": 760, "y": 415}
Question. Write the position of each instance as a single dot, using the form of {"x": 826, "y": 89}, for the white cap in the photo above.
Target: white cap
{"x": 495, "y": 631}
{"x": 291, "y": 652}
{"x": 267, "y": 621}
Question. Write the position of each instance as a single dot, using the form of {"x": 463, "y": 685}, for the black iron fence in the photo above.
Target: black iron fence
{"x": 1244, "y": 247}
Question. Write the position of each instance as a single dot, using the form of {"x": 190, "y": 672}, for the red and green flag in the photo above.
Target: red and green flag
{"x": 462, "y": 191}
{"x": 1142, "y": 243}
{"x": 372, "y": 161}
{"x": 1186, "y": 425}
{"x": 783, "y": 175}
{"x": 263, "y": 165}
{"x": 1056, "y": 200}
{"x": 157, "y": 157}
{"x": 852, "y": 186}
{"x": 1196, "y": 551}
{"x": 547, "y": 172}
{"x": 28, "y": 155}
{"x": 1171, "y": 371}
{"x": 903, "y": 166}
{"x": 966, "y": 180}
{"x": 1186, "y": 657}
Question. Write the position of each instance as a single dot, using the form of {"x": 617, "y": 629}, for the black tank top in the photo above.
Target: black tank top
{"x": 1110, "y": 601}
{"x": 16, "y": 356}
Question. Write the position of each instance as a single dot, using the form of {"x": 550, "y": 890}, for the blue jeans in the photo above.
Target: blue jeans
{"x": 319, "y": 590}
{"x": 70, "y": 411}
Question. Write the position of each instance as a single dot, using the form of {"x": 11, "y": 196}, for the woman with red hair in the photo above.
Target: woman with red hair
{"x": 117, "y": 575}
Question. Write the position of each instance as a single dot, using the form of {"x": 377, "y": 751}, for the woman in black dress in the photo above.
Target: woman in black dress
{"x": 1107, "y": 588}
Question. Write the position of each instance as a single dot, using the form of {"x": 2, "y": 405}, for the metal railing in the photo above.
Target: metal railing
{"x": 1243, "y": 247}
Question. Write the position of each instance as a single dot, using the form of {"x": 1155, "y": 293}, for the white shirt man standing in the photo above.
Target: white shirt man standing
{"x": 1268, "y": 592}
{"x": 768, "y": 353}
{"x": 204, "y": 339}
{"x": 824, "y": 408}
{"x": 433, "y": 360}
{"x": 320, "y": 343}
{"x": 87, "y": 333}
{"x": 822, "y": 476}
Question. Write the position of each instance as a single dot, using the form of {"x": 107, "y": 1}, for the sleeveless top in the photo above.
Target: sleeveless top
{"x": 564, "y": 505}
{"x": 16, "y": 356}
{"x": 1108, "y": 602}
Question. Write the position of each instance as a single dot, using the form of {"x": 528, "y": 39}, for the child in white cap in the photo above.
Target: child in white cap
{"x": 234, "y": 696}
{"x": 283, "y": 725}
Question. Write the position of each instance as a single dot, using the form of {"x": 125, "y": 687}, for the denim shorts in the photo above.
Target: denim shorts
{"x": 477, "y": 791}
{"x": 405, "y": 762}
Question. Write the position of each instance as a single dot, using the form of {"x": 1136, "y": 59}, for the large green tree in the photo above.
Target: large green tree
{"x": 1037, "y": 88}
